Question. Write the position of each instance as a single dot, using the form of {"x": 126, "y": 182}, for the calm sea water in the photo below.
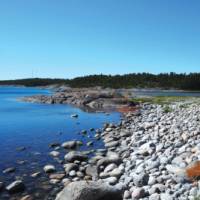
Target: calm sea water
{"x": 34, "y": 126}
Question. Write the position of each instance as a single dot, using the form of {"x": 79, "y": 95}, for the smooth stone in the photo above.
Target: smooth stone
{"x": 66, "y": 181}
{"x": 127, "y": 194}
{"x": 147, "y": 148}
{"x": 160, "y": 187}
{"x": 165, "y": 196}
{"x": 141, "y": 179}
{"x": 154, "y": 197}
{"x": 112, "y": 158}
{"x": 27, "y": 197}
{"x": 92, "y": 171}
{"x": 55, "y": 144}
{"x": 138, "y": 193}
{"x": 57, "y": 176}
{"x": 89, "y": 190}
{"x": 16, "y": 186}
{"x": 111, "y": 180}
{"x": 116, "y": 172}
{"x": 75, "y": 155}
{"x": 70, "y": 166}
{"x": 74, "y": 116}
{"x": 69, "y": 145}
{"x": 54, "y": 153}
{"x": 72, "y": 173}
{"x": 108, "y": 129}
{"x": 110, "y": 167}
{"x": 112, "y": 144}
{"x": 36, "y": 174}
{"x": 164, "y": 160}
{"x": 9, "y": 170}
{"x": 80, "y": 174}
{"x": 152, "y": 180}
{"x": 49, "y": 168}
{"x": 54, "y": 181}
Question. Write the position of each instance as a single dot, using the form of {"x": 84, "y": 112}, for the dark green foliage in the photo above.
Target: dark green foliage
{"x": 140, "y": 80}
{"x": 33, "y": 82}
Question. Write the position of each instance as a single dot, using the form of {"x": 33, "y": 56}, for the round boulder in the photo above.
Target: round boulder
{"x": 91, "y": 190}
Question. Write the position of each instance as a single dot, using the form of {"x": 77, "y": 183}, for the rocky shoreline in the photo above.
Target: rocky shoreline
{"x": 152, "y": 154}
{"x": 88, "y": 99}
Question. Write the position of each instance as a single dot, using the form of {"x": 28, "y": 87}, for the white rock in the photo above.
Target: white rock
{"x": 49, "y": 168}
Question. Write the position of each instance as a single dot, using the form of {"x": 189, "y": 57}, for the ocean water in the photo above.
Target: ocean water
{"x": 35, "y": 126}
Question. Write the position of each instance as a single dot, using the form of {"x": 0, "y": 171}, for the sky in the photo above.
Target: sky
{"x": 69, "y": 38}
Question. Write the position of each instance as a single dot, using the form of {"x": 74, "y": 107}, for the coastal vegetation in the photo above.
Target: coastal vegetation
{"x": 162, "y": 100}
{"x": 135, "y": 80}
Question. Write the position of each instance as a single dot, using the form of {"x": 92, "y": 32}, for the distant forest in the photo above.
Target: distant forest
{"x": 140, "y": 80}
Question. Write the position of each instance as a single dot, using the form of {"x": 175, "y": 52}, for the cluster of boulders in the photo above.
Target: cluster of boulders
{"x": 147, "y": 156}
{"x": 152, "y": 154}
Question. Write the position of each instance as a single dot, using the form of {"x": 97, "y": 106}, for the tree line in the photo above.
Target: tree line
{"x": 135, "y": 80}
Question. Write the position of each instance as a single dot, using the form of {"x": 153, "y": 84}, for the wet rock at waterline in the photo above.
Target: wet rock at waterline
{"x": 71, "y": 144}
{"x": 49, "y": 168}
{"x": 9, "y": 170}
{"x": 75, "y": 155}
{"x": 16, "y": 186}
{"x": 74, "y": 116}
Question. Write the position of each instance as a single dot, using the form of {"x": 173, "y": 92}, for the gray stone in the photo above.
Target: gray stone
{"x": 16, "y": 186}
{"x": 113, "y": 158}
{"x": 112, "y": 144}
{"x": 74, "y": 116}
{"x": 75, "y": 155}
{"x": 152, "y": 180}
{"x": 27, "y": 197}
{"x": 54, "y": 153}
{"x": 92, "y": 171}
{"x": 111, "y": 180}
{"x": 154, "y": 197}
{"x": 69, "y": 145}
{"x": 70, "y": 166}
{"x": 127, "y": 194}
{"x": 110, "y": 167}
{"x": 141, "y": 179}
{"x": 165, "y": 196}
{"x": 90, "y": 190}
{"x": 72, "y": 173}
{"x": 138, "y": 193}
{"x": 49, "y": 168}
{"x": 9, "y": 170}
{"x": 116, "y": 172}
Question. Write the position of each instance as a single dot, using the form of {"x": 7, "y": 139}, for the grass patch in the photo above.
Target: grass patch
{"x": 161, "y": 100}
{"x": 167, "y": 109}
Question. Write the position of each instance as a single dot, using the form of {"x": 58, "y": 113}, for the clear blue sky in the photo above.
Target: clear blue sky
{"x": 68, "y": 38}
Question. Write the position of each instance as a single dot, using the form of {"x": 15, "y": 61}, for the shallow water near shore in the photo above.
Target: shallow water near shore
{"x": 35, "y": 126}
